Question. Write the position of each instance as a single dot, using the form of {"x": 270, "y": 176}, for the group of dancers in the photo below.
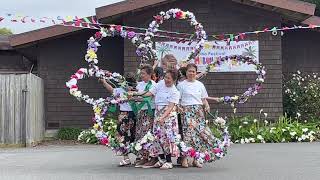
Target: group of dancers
{"x": 168, "y": 102}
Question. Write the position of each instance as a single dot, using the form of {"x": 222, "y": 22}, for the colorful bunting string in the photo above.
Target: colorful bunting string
{"x": 92, "y": 23}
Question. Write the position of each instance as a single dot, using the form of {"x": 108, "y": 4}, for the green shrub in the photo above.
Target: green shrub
{"x": 68, "y": 133}
{"x": 250, "y": 130}
{"x": 301, "y": 96}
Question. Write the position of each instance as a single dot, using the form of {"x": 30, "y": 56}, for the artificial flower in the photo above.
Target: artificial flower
{"x": 91, "y": 54}
{"x": 138, "y": 147}
{"x": 96, "y": 126}
{"x": 179, "y": 15}
{"x": 98, "y": 35}
{"x": 104, "y": 141}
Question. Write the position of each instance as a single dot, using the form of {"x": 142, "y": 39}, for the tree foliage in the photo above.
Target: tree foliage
{"x": 5, "y": 31}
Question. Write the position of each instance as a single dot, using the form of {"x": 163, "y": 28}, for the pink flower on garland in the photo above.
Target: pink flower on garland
{"x": 118, "y": 28}
{"x": 98, "y": 35}
{"x": 192, "y": 153}
{"x": 179, "y": 14}
{"x": 74, "y": 87}
{"x": 207, "y": 157}
{"x": 217, "y": 150}
{"x": 80, "y": 72}
{"x": 104, "y": 141}
{"x": 158, "y": 19}
{"x": 74, "y": 77}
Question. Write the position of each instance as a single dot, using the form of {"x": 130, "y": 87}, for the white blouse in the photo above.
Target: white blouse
{"x": 165, "y": 95}
{"x": 192, "y": 93}
{"x": 123, "y": 106}
{"x": 141, "y": 88}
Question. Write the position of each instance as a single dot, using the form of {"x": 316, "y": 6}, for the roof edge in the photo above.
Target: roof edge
{"x": 292, "y": 5}
{"x": 314, "y": 20}
{"x": 124, "y": 6}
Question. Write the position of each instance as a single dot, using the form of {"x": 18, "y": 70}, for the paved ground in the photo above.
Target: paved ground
{"x": 296, "y": 161}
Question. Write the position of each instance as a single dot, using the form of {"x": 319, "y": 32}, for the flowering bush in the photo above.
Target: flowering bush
{"x": 301, "y": 94}
{"x": 251, "y": 130}
{"x": 89, "y": 136}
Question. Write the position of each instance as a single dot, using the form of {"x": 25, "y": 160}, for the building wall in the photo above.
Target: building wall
{"x": 11, "y": 61}
{"x": 220, "y": 16}
{"x": 58, "y": 59}
{"x": 301, "y": 51}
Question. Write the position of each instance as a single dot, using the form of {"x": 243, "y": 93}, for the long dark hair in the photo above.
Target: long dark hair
{"x": 173, "y": 73}
{"x": 159, "y": 74}
{"x": 192, "y": 65}
{"x": 131, "y": 79}
{"x": 148, "y": 69}
{"x": 182, "y": 72}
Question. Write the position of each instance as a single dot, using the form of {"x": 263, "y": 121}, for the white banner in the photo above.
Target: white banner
{"x": 211, "y": 51}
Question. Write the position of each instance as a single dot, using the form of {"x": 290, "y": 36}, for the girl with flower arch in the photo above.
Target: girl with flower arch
{"x": 144, "y": 110}
{"x": 126, "y": 118}
{"x": 165, "y": 127}
{"x": 194, "y": 104}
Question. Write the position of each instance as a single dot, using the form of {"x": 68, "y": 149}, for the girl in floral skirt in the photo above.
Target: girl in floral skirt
{"x": 165, "y": 127}
{"x": 144, "y": 109}
{"x": 126, "y": 118}
{"x": 193, "y": 103}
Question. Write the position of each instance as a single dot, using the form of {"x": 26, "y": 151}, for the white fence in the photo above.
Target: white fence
{"x": 21, "y": 109}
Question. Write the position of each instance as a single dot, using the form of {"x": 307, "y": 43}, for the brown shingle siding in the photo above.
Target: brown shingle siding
{"x": 217, "y": 19}
{"x": 58, "y": 60}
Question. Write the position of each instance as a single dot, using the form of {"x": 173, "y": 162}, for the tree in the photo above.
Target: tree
{"x": 5, "y": 31}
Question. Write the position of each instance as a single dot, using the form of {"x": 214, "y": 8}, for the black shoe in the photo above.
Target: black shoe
{"x": 179, "y": 161}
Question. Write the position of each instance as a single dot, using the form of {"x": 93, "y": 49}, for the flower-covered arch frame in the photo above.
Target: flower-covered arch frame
{"x": 251, "y": 91}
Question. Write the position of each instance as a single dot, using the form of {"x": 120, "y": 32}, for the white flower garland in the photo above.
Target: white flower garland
{"x": 145, "y": 48}
{"x": 251, "y": 91}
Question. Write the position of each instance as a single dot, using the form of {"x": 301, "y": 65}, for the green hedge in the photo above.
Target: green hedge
{"x": 69, "y": 133}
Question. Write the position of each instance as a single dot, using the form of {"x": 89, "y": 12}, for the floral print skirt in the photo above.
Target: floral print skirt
{"x": 143, "y": 125}
{"x": 126, "y": 127}
{"x": 196, "y": 133}
{"x": 165, "y": 133}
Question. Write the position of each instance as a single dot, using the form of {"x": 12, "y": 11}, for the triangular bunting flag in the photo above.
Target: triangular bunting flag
{"x": 231, "y": 37}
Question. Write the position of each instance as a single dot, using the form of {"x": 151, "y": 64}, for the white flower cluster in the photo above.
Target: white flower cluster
{"x": 288, "y": 134}
{"x": 307, "y": 135}
{"x": 220, "y": 121}
{"x": 86, "y": 135}
{"x": 145, "y": 49}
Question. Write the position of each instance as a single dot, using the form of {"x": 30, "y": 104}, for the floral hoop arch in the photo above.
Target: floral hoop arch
{"x": 251, "y": 91}
{"x": 145, "y": 48}
{"x": 100, "y": 106}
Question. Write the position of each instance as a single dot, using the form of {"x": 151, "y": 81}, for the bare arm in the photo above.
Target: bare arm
{"x": 155, "y": 64}
{"x": 205, "y": 104}
{"x": 213, "y": 99}
{"x": 108, "y": 87}
{"x": 201, "y": 75}
{"x": 145, "y": 93}
{"x": 138, "y": 96}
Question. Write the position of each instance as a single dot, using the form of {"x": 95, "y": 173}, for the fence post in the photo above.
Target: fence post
{"x": 24, "y": 116}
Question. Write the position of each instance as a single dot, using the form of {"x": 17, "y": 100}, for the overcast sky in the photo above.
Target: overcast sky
{"x": 46, "y": 8}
